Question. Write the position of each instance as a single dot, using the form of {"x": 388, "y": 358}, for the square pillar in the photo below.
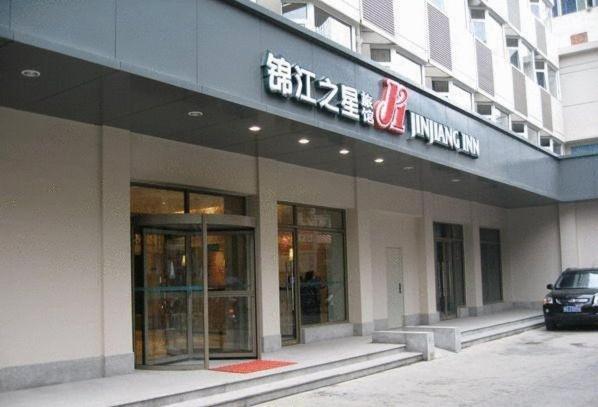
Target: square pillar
{"x": 263, "y": 207}
{"x": 117, "y": 305}
{"x": 429, "y": 314}
{"x": 568, "y": 235}
{"x": 473, "y": 266}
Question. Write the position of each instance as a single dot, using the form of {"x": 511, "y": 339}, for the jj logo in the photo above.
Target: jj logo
{"x": 391, "y": 109}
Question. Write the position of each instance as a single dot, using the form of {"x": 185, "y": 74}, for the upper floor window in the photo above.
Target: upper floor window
{"x": 296, "y": 12}
{"x": 438, "y": 3}
{"x": 553, "y": 82}
{"x": 478, "y": 24}
{"x": 381, "y": 55}
{"x": 535, "y": 7}
{"x": 318, "y": 20}
{"x": 513, "y": 47}
{"x": 332, "y": 28}
{"x": 563, "y": 7}
{"x": 540, "y": 66}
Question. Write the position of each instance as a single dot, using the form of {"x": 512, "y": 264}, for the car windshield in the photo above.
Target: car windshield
{"x": 578, "y": 279}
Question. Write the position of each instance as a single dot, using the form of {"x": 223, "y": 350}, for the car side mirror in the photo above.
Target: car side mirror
{"x": 550, "y": 287}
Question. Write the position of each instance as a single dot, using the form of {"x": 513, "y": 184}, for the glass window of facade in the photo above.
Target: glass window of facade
{"x": 152, "y": 200}
{"x": 311, "y": 245}
{"x": 478, "y": 24}
{"x": 438, "y": 3}
{"x": 332, "y": 28}
{"x": 380, "y": 54}
{"x": 407, "y": 67}
{"x": 296, "y": 12}
{"x": 460, "y": 96}
{"x": 585, "y": 149}
{"x": 513, "y": 48}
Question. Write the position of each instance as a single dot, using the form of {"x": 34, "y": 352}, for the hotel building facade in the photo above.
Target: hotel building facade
{"x": 202, "y": 179}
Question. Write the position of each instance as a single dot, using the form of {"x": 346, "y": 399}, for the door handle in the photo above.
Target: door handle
{"x": 400, "y": 288}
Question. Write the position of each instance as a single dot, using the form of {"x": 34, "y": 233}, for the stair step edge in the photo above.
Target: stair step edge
{"x": 236, "y": 395}
{"x": 533, "y": 319}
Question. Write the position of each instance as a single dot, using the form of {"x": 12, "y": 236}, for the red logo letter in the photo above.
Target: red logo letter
{"x": 389, "y": 111}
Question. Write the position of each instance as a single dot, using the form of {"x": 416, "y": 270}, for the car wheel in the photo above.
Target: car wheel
{"x": 550, "y": 325}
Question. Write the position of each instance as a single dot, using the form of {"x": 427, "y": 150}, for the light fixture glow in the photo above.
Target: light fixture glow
{"x": 303, "y": 140}
{"x": 379, "y": 160}
{"x": 195, "y": 113}
{"x": 344, "y": 151}
{"x": 31, "y": 73}
{"x": 456, "y": 180}
{"x": 408, "y": 168}
{"x": 255, "y": 128}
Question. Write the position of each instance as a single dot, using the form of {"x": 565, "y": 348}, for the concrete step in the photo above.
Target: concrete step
{"x": 295, "y": 371}
{"x": 502, "y": 330}
{"x": 283, "y": 388}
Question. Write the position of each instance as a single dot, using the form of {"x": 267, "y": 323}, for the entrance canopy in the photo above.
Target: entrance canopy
{"x": 175, "y": 73}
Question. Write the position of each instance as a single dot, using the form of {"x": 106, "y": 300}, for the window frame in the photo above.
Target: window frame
{"x": 295, "y": 228}
{"x": 187, "y": 191}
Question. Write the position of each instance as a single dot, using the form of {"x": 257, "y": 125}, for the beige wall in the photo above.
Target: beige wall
{"x": 533, "y": 244}
{"x": 65, "y": 240}
{"x": 50, "y": 240}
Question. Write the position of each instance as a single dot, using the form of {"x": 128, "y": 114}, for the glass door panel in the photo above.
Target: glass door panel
{"x": 230, "y": 293}
{"x": 166, "y": 305}
{"x": 286, "y": 283}
{"x": 322, "y": 277}
{"x": 169, "y": 299}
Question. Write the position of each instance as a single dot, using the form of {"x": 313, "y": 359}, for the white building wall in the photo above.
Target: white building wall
{"x": 65, "y": 236}
{"x": 533, "y": 244}
{"x": 50, "y": 243}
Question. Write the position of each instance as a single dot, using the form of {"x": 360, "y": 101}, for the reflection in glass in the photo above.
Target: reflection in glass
{"x": 322, "y": 277}
{"x": 227, "y": 262}
{"x": 230, "y": 326}
{"x": 167, "y": 325}
{"x": 332, "y": 28}
{"x": 145, "y": 200}
{"x": 286, "y": 281}
{"x": 216, "y": 204}
{"x": 285, "y": 214}
{"x": 319, "y": 217}
{"x": 165, "y": 260}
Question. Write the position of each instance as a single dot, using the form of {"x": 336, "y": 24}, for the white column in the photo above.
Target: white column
{"x": 266, "y": 249}
{"x": 428, "y": 272}
{"x": 359, "y": 262}
{"x": 473, "y": 263}
{"x": 116, "y": 252}
{"x": 568, "y": 235}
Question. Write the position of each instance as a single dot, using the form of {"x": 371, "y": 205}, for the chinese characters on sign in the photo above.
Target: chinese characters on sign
{"x": 388, "y": 113}
{"x": 291, "y": 80}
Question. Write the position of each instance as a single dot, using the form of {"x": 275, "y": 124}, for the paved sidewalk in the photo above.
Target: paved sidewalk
{"x": 144, "y": 384}
{"x": 536, "y": 368}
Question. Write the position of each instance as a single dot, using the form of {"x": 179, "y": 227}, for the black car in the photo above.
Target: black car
{"x": 573, "y": 299}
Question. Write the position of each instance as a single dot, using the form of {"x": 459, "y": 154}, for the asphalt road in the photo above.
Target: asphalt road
{"x": 536, "y": 368}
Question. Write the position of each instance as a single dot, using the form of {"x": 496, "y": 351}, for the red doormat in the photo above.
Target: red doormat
{"x": 253, "y": 366}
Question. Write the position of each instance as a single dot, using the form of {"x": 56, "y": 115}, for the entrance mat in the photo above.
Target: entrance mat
{"x": 253, "y": 366}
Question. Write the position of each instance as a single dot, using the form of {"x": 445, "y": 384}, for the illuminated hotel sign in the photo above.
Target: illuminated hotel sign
{"x": 435, "y": 133}
{"x": 388, "y": 113}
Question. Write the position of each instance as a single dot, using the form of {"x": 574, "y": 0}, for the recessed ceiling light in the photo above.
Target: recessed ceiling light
{"x": 408, "y": 168}
{"x": 456, "y": 180}
{"x": 195, "y": 113}
{"x": 31, "y": 73}
{"x": 344, "y": 151}
{"x": 303, "y": 140}
{"x": 255, "y": 128}
{"x": 379, "y": 160}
